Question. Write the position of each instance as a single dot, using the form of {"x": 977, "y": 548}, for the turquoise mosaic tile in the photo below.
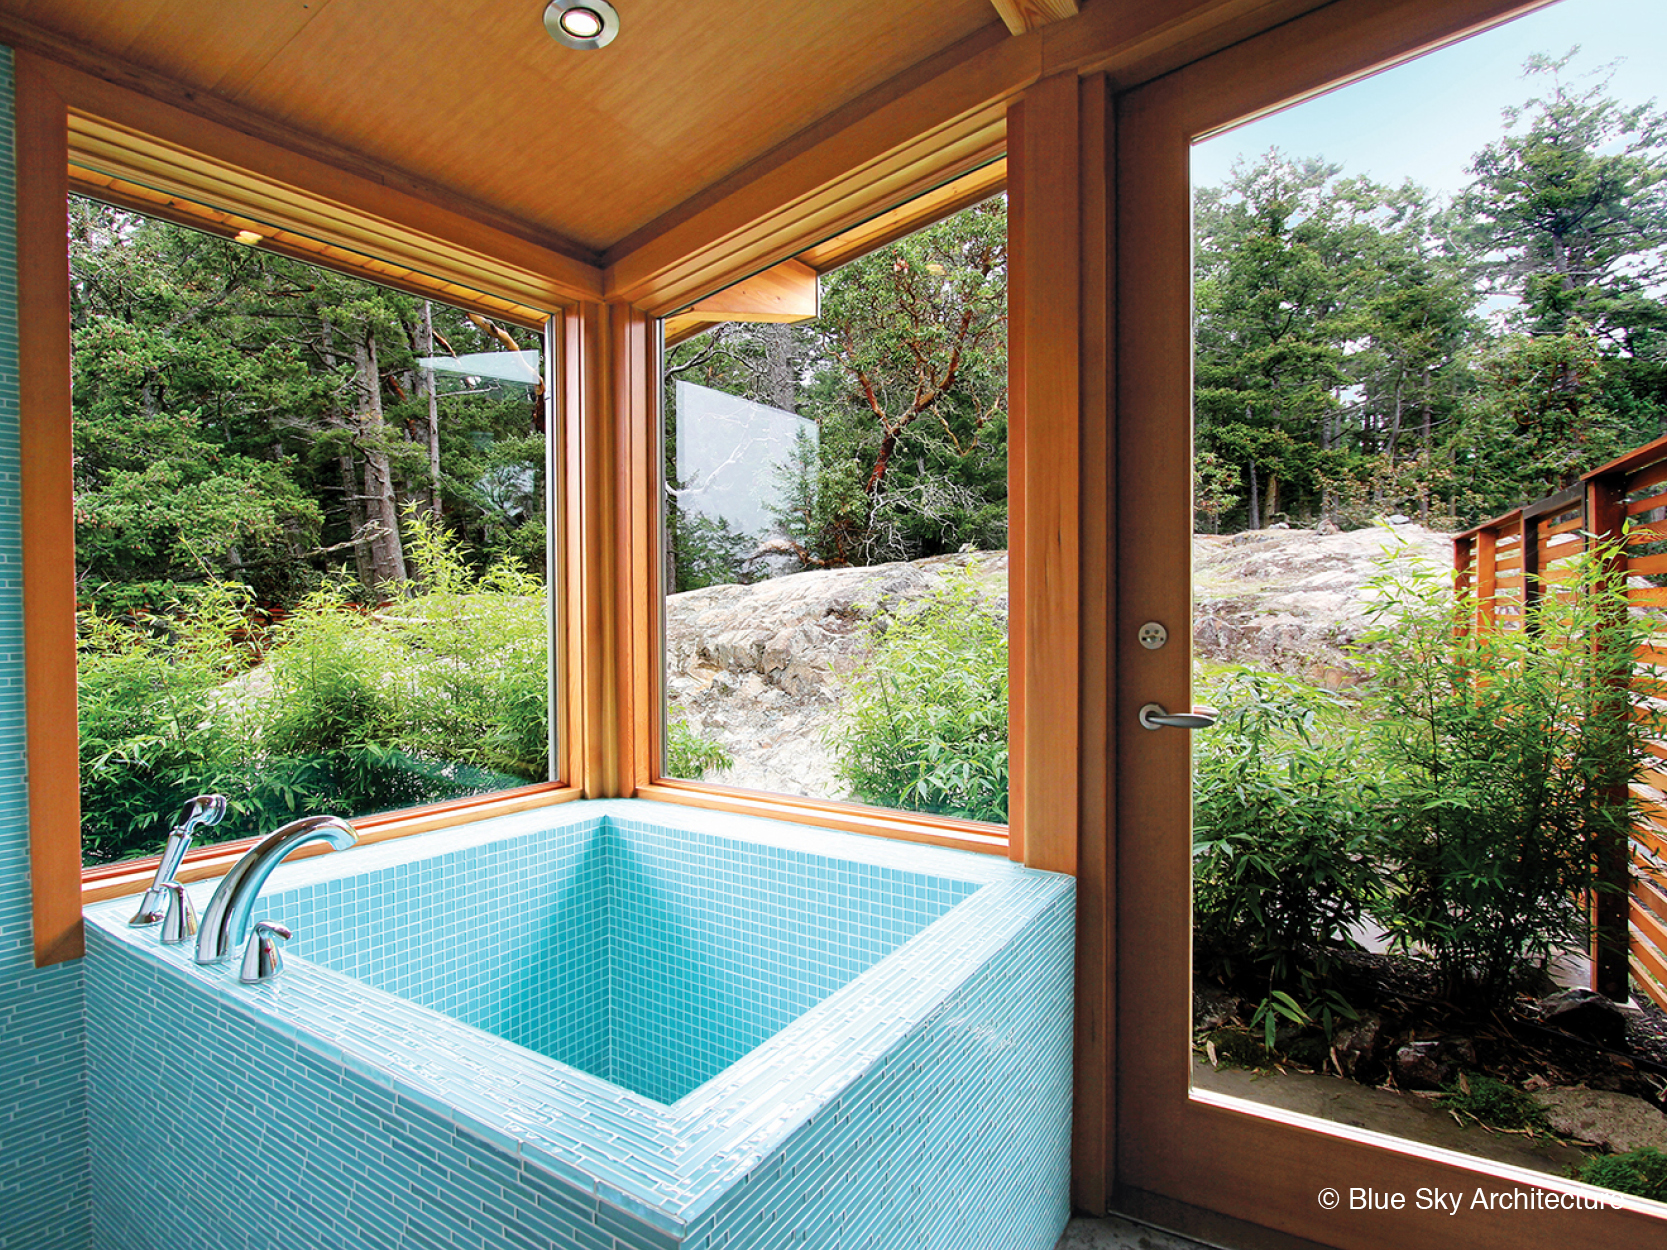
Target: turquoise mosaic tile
{"x": 915, "y": 1090}
{"x": 43, "y": 1106}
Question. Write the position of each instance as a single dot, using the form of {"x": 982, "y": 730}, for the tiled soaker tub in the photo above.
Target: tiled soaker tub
{"x": 602, "y": 1025}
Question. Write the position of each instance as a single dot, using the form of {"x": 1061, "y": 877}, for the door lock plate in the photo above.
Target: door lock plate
{"x": 1152, "y": 635}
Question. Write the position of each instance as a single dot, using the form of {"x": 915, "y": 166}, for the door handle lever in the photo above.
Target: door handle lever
{"x": 1152, "y": 716}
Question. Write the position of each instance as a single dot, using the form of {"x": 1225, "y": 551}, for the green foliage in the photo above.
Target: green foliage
{"x": 1506, "y": 755}
{"x": 148, "y": 691}
{"x": 335, "y": 709}
{"x": 1281, "y": 840}
{"x": 904, "y": 373}
{"x": 1493, "y": 1103}
{"x": 924, "y": 722}
{"x": 709, "y": 553}
{"x": 1309, "y": 285}
{"x": 1568, "y": 205}
{"x": 1642, "y": 1172}
{"x": 232, "y": 407}
{"x": 1342, "y": 368}
{"x": 691, "y": 755}
{"x": 1547, "y": 410}
{"x": 1215, "y": 489}
{"x": 1238, "y": 1047}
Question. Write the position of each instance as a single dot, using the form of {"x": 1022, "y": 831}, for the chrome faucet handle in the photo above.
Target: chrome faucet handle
{"x": 205, "y": 809}
{"x": 180, "y": 924}
{"x": 263, "y": 959}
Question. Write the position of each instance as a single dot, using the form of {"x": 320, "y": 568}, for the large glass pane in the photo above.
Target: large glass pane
{"x": 836, "y": 533}
{"x": 310, "y": 539}
{"x": 1427, "y": 301}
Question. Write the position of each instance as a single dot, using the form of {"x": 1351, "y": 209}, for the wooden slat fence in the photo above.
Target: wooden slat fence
{"x": 1507, "y": 562}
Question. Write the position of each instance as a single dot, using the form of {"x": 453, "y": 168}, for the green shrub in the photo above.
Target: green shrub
{"x": 1641, "y": 1172}
{"x": 1507, "y": 756}
{"x": 1281, "y": 840}
{"x": 155, "y": 726}
{"x": 1493, "y": 1103}
{"x": 475, "y": 654}
{"x": 330, "y": 676}
{"x": 924, "y": 722}
{"x": 443, "y": 694}
{"x": 690, "y": 755}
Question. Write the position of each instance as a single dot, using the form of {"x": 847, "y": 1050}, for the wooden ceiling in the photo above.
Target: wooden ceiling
{"x": 474, "y": 97}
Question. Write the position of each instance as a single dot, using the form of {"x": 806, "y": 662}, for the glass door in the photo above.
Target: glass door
{"x": 1330, "y": 309}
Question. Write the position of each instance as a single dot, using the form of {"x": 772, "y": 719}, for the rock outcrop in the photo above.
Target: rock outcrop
{"x": 1294, "y": 600}
{"x": 760, "y": 669}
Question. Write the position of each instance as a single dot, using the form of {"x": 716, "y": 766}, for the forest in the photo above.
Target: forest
{"x": 310, "y": 570}
{"x": 1361, "y": 349}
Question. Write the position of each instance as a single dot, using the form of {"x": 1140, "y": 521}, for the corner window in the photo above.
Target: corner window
{"x": 835, "y": 527}
{"x": 312, "y": 545}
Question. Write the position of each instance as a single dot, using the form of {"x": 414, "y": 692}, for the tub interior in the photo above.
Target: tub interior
{"x": 652, "y": 958}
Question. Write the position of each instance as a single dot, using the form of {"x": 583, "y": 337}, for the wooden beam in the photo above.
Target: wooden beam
{"x": 217, "y": 221}
{"x": 592, "y": 437}
{"x": 47, "y": 503}
{"x": 783, "y": 294}
{"x": 1093, "y": 1162}
{"x": 135, "y": 139}
{"x": 973, "y": 187}
{"x": 1023, "y": 16}
{"x": 1044, "y": 398}
{"x": 131, "y": 136}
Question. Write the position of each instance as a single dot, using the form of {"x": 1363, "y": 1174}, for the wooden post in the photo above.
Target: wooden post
{"x": 1487, "y": 544}
{"x": 47, "y": 504}
{"x": 1605, "y": 515}
{"x": 1044, "y": 393}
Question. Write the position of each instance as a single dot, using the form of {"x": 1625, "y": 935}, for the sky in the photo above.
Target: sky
{"x": 1424, "y": 120}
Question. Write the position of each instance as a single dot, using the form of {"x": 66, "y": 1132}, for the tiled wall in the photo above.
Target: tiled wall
{"x": 213, "y": 1131}
{"x": 961, "y": 1133}
{"x": 43, "y": 1109}
{"x": 651, "y": 958}
{"x": 511, "y": 937}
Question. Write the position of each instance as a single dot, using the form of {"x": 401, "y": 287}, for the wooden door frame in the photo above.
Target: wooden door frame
{"x": 1179, "y": 1150}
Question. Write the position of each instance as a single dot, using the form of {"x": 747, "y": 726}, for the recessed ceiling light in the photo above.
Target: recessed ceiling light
{"x": 247, "y": 237}
{"x": 583, "y": 24}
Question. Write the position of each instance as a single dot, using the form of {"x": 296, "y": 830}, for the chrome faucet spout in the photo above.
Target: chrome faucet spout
{"x": 225, "y": 924}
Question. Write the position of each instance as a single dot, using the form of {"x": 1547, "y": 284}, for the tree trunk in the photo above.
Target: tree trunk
{"x": 1395, "y": 422}
{"x": 387, "y": 553}
{"x": 1255, "y": 502}
{"x": 433, "y": 414}
{"x": 363, "y": 564}
{"x": 777, "y": 384}
{"x": 1429, "y": 458}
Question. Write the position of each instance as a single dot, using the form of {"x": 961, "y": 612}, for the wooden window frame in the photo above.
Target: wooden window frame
{"x": 1202, "y": 1162}
{"x": 442, "y": 256}
{"x": 925, "y": 209}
